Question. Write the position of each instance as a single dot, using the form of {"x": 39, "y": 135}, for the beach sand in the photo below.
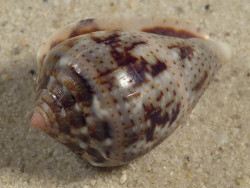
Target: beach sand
{"x": 211, "y": 149}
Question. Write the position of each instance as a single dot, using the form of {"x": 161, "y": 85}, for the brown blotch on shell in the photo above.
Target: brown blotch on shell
{"x": 185, "y": 51}
{"x": 200, "y": 83}
{"x": 156, "y": 118}
{"x": 100, "y": 131}
{"x": 170, "y": 31}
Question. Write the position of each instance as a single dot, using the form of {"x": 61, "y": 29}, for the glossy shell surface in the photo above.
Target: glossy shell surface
{"x": 113, "y": 91}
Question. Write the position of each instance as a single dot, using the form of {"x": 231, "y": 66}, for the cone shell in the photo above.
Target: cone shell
{"x": 113, "y": 91}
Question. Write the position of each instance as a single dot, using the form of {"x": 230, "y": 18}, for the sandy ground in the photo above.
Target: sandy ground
{"x": 211, "y": 149}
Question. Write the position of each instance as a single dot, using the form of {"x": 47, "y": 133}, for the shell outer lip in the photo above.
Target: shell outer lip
{"x": 101, "y": 24}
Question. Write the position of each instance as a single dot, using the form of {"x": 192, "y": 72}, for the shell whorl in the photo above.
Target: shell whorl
{"x": 113, "y": 95}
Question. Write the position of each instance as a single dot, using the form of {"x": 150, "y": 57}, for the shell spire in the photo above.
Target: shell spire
{"x": 112, "y": 92}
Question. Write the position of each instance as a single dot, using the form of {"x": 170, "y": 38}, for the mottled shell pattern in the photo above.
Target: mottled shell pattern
{"x": 112, "y": 91}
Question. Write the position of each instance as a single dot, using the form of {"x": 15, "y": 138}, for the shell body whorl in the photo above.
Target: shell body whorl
{"x": 113, "y": 95}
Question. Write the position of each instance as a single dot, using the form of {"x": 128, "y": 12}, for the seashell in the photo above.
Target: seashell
{"x": 112, "y": 91}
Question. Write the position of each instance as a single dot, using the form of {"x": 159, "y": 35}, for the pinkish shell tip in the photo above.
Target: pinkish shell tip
{"x": 38, "y": 121}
